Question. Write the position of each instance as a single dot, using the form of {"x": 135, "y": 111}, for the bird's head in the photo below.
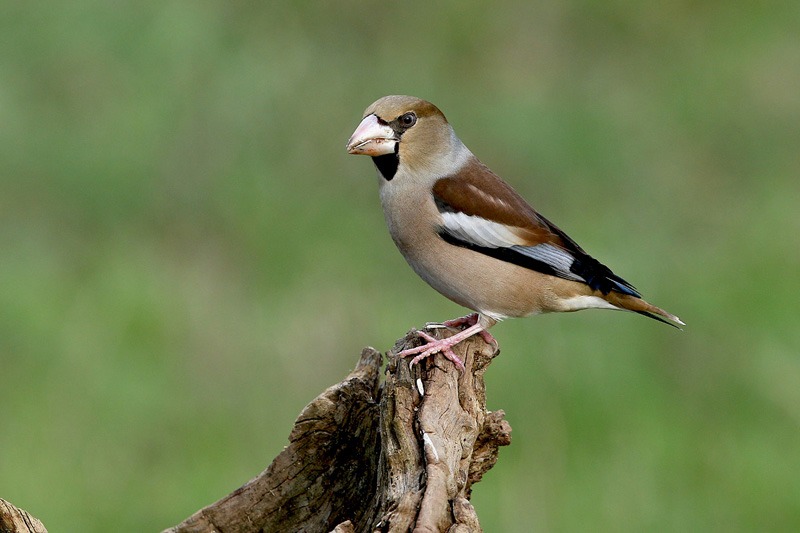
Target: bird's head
{"x": 404, "y": 130}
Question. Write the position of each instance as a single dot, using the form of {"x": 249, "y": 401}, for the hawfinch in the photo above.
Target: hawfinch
{"x": 470, "y": 235}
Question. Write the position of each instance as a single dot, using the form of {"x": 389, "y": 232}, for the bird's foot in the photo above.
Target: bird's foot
{"x": 432, "y": 347}
{"x": 445, "y": 346}
{"x": 470, "y": 320}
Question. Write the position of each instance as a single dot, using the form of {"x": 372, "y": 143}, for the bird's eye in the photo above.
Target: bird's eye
{"x": 408, "y": 119}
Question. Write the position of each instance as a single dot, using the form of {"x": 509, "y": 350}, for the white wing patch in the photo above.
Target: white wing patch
{"x": 488, "y": 234}
{"x": 479, "y": 231}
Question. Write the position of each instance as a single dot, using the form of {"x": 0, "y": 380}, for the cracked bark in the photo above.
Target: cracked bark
{"x": 369, "y": 457}
{"x": 365, "y": 457}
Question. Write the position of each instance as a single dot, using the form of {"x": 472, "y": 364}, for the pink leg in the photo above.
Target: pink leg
{"x": 471, "y": 320}
{"x": 442, "y": 345}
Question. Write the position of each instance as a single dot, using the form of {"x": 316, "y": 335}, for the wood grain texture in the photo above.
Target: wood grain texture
{"x": 436, "y": 445}
{"x": 324, "y": 476}
{"x": 365, "y": 456}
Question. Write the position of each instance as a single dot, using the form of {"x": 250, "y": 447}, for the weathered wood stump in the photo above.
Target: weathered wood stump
{"x": 364, "y": 457}
{"x": 370, "y": 457}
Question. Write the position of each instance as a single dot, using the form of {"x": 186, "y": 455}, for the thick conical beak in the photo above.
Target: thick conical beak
{"x": 372, "y": 138}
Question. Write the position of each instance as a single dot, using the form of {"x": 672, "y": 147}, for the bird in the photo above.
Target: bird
{"x": 471, "y": 236}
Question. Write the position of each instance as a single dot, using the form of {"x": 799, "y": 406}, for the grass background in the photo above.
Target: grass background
{"x": 188, "y": 255}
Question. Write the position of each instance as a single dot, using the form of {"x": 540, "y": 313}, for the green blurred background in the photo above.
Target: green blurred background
{"x": 189, "y": 255}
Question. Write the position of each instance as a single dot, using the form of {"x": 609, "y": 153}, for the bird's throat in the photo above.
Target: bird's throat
{"x": 387, "y": 164}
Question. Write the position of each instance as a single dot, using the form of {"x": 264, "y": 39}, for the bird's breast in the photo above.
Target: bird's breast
{"x": 474, "y": 280}
{"x": 411, "y": 216}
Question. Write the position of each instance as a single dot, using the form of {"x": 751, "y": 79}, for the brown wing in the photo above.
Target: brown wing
{"x": 501, "y": 224}
{"x": 477, "y": 191}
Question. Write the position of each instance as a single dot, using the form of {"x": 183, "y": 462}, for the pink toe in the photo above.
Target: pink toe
{"x": 490, "y": 339}
{"x": 425, "y": 336}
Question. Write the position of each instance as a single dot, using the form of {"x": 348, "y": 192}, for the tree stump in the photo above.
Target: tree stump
{"x": 364, "y": 457}
{"x": 369, "y": 457}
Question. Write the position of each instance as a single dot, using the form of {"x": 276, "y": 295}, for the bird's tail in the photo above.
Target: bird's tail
{"x": 637, "y": 305}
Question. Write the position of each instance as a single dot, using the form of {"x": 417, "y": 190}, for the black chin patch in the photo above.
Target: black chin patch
{"x": 387, "y": 164}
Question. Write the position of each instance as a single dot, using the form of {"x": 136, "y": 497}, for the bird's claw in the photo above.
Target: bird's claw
{"x": 433, "y": 346}
{"x": 490, "y": 339}
{"x": 469, "y": 320}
